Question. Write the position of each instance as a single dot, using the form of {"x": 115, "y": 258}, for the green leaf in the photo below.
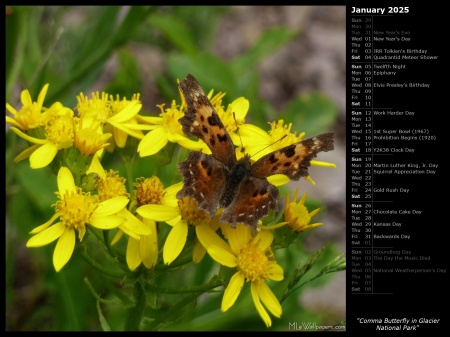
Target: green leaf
{"x": 40, "y": 186}
{"x": 135, "y": 16}
{"x": 104, "y": 324}
{"x": 311, "y": 113}
{"x": 270, "y": 41}
{"x": 127, "y": 80}
{"x": 299, "y": 272}
{"x": 102, "y": 30}
{"x": 210, "y": 71}
{"x": 97, "y": 48}
{"x": 202, "y": 23}
{"x": 176, "y": 31}
{"x": 16, "y": 38}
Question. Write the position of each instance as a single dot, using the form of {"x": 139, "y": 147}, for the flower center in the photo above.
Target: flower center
{"x": 98, "y": 107}
{"x": 253, "y": 262}
{"x": 117, "y": 105}
{"x": 297, "y": 216}
{"x": 88, "y": 140}
{"x": 170, "y": 118}
{"x": 190, "y": 212}
{"x": 75, "y": 210}
{"x": 29, "y": 117}
{"x": 279, "y": 130}
{"x": 59, "y": 128}
{"x": 111, "y": 186}
{"x": 149, "y": 191}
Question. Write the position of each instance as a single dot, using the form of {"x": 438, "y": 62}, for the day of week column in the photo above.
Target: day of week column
{"x": 361, "y": 155}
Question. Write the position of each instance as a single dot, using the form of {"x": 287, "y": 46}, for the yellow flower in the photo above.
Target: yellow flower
{"x": 179, "y": 217}
{"x": 258, "y": 143}
{"x": 110, "y": 185}
{"x": 254, "y": 263}
{"x": 30, "y": 115}
{"x": 59, "y": 134}
{"x": 75, "y": 210}
{"x": 88, "y": 137}
{"x": 150, "y": 192}
{"x": 296, "y": 214}
{"x": 233, "y": 116}
{"x": 166, "y": 128}
{"x": 118, "y": 117}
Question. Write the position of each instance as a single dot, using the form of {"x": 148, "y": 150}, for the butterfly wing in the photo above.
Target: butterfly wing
{"x": 204, "y": 179}
{"x": 252, "y": 202}
{"x": 293, "y": 160}
{"x": 202, "y": 121}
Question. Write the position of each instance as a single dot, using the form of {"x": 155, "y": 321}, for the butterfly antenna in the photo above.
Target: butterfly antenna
{"x": 237, "y": 128}
{"x": 269, "y": 145}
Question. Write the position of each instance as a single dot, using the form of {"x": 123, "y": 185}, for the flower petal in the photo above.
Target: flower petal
{"x": 254, "y": 136}
{"x": 29, "y": 138}
{"x": 158, "y": 212}
{"x": 11, "y": 120}
{"x": 259, "y": 307}
{"x": 208, "y": 237}
{"x": 198, "y": 252}
{"x": 264, "y": 239}
{"x": 224, "y": 257}
{"x": 106, "y": 222}
{"x": 238, "y": 237}
{"x": 47, "y": 235}
{"x": 26, "y": 153}
{"x": 42, "y": 94}
{"x": 170, "y": 197}
{"x": 13, "y": 112}
{"x": 152, "y": 142}
{"x": 134, "y": 224}
{"x": 25, "y": 97}
{"x": 66, "y": 183}
{"x": 124, "y": 229}
{"x": 268, "y": 298}
{"x": 117, "y": 237}
{"x": 175, "y": 242}
{"x": 149, "y": 245}
{"x": 190, "y": 144}
{"x": 96, "y": 167}
{"x": 278, "y": 179}
{"x": 322, "y": 163}
{"x": 64, "y": 249}
{"x": 240, "y": 107}
{"x": 276, "y": 272}
{"x": 110, "y": 206}
{"x": 232, "y": 291}
{"x": 127, "y": 113}
{"x": 174, "y": 221}
{"x": 136, "y": 134}
{"x": 44, "y": 226}
{"x": 43, "y": 156}
{"x": 133, "y": 254}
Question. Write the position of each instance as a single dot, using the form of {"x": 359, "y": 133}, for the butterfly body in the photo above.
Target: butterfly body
{"x": 219, "y": 180}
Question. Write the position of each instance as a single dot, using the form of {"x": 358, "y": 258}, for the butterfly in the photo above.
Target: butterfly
{"x": 219, "y": 180}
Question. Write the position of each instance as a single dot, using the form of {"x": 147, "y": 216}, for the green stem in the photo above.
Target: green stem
{"x": 97, "y": 296}
{"x": 214, "y": 283}
{"x": 134, "y": 317}
{"x": 97, "y": 266}
{"x": 108, "y": 244}
{"x": 171, "y": 315}
{"x": 179, "y": 262}
{"x": 128, "y": 162}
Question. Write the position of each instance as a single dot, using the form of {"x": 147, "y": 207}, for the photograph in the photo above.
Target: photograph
{"x": 176, "y": 168}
